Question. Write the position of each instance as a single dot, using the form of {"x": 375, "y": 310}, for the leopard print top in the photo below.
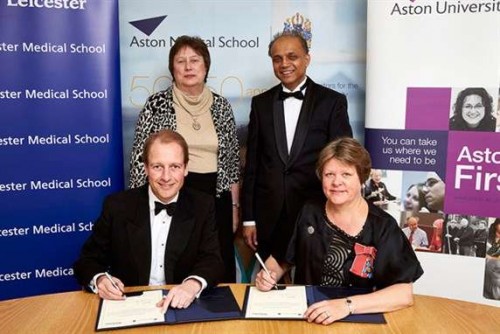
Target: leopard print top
{"x": 158, "y": 113}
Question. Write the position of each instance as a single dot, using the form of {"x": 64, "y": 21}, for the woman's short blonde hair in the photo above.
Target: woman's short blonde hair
{"x": 348, "y": 151}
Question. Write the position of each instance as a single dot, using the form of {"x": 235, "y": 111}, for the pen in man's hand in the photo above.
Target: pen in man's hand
{"x": 265, "y": 268}
{"x": 113, "y": 282}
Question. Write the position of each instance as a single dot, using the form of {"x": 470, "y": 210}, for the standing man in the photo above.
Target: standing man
{"x": 416, "y": 236}
{"x": 159, "y": 233}
{"x": 465, "y": 238}
{"x": 289, "y": 125}
{"x": 480, "y": 237}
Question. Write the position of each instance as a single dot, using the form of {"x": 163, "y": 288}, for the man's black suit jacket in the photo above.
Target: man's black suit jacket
{"x": 275, "y": 180}
{"x": 120, "y": 242}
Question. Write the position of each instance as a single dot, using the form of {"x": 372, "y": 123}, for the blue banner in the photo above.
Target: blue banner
{"x": 60, "y": 136}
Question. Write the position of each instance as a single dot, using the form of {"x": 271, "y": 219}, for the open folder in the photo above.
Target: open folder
{"x": 139, "y": 309}
{"x": 292, "y": 301}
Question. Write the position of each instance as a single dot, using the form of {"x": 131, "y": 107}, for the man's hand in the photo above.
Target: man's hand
{"x": 180, "y": 296}
{"x": 250, "y": 236}
{"x": 110, "y": 288}
{"x": 236, "y": 219}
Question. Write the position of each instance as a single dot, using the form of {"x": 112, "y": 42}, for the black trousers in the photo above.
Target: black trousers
{"x": 223, "y": 216}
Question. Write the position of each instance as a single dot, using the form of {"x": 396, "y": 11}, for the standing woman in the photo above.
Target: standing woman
{"x": 436, "y": 244}
{"x": 206, "y": 121}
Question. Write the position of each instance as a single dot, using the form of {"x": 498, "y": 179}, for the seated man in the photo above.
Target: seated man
{"x": 416, "y": 236}
{"x": 139, "y": 240}
{"x": 376, "y": 191}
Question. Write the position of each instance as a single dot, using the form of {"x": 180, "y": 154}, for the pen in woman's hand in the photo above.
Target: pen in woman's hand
{"x": 265, "y": 268}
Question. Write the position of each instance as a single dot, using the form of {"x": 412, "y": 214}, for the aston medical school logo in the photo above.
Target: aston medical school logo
{"x": 301, "y": 25}
{"x": 148, "y": 26}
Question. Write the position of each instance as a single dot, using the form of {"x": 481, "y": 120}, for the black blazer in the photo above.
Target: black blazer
{"x": 121, "y": 240}
{"x": 275, "y": 180}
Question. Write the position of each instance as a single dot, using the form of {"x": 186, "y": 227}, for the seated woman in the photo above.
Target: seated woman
{"x": 347, "y": 242}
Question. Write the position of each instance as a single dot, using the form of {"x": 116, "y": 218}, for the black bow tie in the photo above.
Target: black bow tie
{"x": 170, "y": 207}
{"x": 285, "y": 95}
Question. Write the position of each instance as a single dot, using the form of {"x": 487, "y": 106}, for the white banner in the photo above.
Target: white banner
{"x": 433, "y": 74}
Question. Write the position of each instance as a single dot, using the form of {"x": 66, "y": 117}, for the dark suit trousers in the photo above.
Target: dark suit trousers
{"x": 223, "y": 217}
{"x": 277, "y": 244}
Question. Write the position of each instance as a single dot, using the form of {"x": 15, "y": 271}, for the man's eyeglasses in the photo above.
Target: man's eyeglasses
{"x": 430, "y": 182}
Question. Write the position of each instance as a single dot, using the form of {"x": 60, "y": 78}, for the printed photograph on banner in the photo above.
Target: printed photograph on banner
{"x": 424, "y": 231}
{"x": 422, "y": 217}
{"x": 375, "y": 191}
{"x": 382, "y": 189}
{"x": 474, "y": 109}
{"x": 492, "y": 264}
{"x": 424, "y": 192}
{"x": 466, "y": 235}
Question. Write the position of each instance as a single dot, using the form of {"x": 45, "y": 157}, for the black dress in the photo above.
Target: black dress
{"x": 387, "y": 259}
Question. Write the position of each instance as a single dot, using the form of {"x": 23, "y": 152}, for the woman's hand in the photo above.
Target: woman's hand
{"x": 327, "y": 311}
{"x": 264, "y": 282}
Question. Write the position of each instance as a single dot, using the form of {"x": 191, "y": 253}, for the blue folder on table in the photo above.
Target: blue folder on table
{"x": 217, "y": 303}
{"x": 214, "y": 304}
{"x": 319, "y": 293}
{"x": 316, "y": 294}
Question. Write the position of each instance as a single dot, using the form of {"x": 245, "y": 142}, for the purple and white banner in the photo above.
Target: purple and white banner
{"x": 432, "y": 126}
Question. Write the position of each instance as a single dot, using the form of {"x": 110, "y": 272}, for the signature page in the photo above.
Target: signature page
{"x": 288, "y": 303}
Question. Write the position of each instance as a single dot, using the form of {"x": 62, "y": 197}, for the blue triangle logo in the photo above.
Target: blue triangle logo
{"x": 147, "y": 26}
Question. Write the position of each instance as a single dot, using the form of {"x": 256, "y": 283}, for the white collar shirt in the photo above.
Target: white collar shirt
{"x": 160, "y": 227}
{"x": 291, "y": 107}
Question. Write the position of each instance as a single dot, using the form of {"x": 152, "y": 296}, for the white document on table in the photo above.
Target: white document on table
{"x": 133, "y": 311}
{"x": 288, "y": 303}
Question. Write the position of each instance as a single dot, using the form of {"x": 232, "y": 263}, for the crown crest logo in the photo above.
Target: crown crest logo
{"x": 301, "y": 25}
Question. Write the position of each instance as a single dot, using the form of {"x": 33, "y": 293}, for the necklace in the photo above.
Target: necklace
{"x": 196, "y": 125}
{"x": 192, "y": 105}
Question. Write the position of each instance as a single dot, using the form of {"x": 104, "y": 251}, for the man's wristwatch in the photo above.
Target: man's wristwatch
{"x": 349, "y": 305}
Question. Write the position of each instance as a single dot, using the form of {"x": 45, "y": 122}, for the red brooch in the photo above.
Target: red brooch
{"x": 363, "y": 262}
